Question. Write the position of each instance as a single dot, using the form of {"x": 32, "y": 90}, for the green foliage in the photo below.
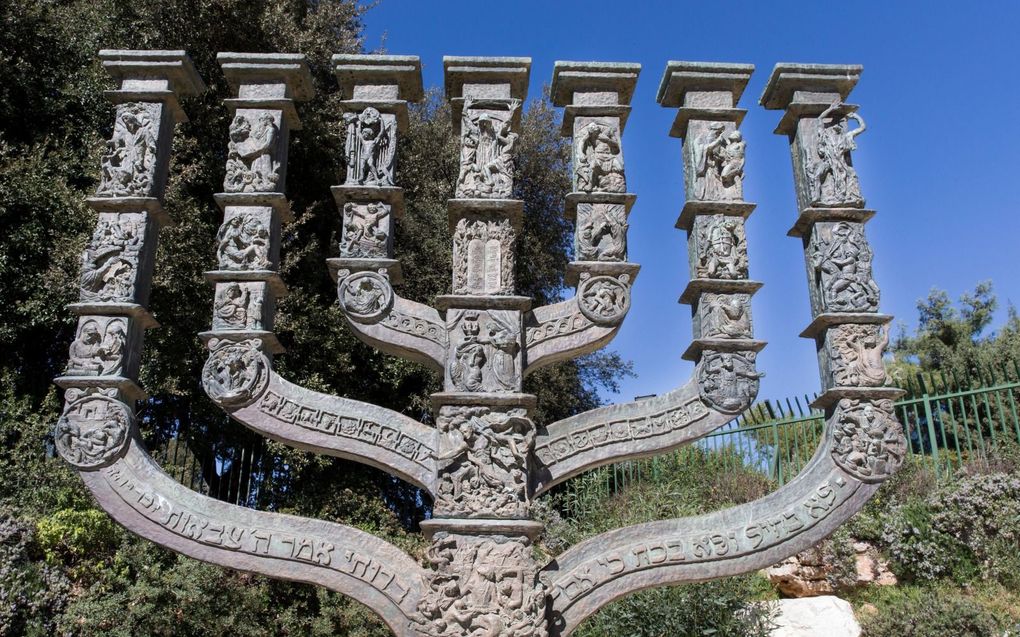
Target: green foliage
{"x": 32, "y": 593}
{"x": 910, "y": 611}
{"x": 689, "y": 482}
{"x": 67, "y": 570}
{"x": 715, "y": 608}
{"x": 961, "y": 530}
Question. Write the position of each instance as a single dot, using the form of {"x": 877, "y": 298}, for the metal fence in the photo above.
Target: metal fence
{"x": 949, "y": 421}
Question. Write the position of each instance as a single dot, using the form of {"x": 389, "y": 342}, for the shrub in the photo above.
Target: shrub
{"x": 927, "y": 612}
{"x": 32, "y": 594}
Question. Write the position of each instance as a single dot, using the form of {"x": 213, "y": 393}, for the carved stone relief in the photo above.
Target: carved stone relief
{"x": 483, "y": 256}
{"x": 604, "y": 300}
{"x": 716, "y": 162}
{"x": 239, "y": 306}
{"x": 728, "y": 381}
{"x": 482, "y": 462}
{"x": 252, "y": 164}
{"x": 487, "y": 149}
{"x": 99, "y": 347}
{"x": 724, "y": 315}
{"x": 485, "y": 350}
{"x": 110, "y": 263}
{"x": 485, "y": 586}
{"x": 598, "y": 158}
{"x": 236, "y": 372}
{"x": 601, "y": 232}
{"x": 855, "y": 355}
{"x": 365, "y": 296}
{"x": 826, "y": 146}
{"x": 721, "y": 247}
{"x": 93, "y": 429}
{"x": 371, "y": 148}
{"x": 868, "y": 441}
{"x": 366, "y": 230}
{"x": 129, "y": 161}
{"x": 840, "y": 260}
{"x": 242, "y": 243}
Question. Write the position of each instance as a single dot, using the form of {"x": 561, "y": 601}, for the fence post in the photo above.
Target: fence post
{"x": 931, "y": 431}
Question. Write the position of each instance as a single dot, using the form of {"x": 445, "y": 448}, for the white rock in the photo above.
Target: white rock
{"x": 824, "y": 616}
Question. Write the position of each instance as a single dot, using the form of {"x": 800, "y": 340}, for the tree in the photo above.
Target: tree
{"x": 53, "y": 120}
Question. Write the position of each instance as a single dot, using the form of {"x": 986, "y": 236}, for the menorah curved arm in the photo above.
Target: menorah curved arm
{"x": 622, "y": 432}
{"x": 383, "y": 319}
{"x": 834, "y": 486}
{"x": 321, "y": 423}
{"x": 583, "y": 323}
{"x": 148, "y": 502}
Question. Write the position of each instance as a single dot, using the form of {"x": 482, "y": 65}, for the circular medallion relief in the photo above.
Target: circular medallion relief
{"x": 93, "y": 431}
{"x": 235, "y": 374}
{"x": 366, "y": 297}
{"x": 604, "y": 300}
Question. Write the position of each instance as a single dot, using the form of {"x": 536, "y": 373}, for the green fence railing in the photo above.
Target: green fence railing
{"x": 948, "y": 421}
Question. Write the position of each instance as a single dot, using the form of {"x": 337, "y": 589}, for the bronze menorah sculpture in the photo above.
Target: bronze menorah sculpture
{"x": 485, "y": 460}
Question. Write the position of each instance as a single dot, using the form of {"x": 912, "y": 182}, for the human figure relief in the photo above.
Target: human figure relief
{"x": 723, "y": 249}
{"x": 251, "y": 166}
{"x": 365, "y": 233}
{"x": 832, "y": 179}
{"x": 726, "y": 316}
{"x": 243, "y": 244}
{"x": 128, "y": 165}
{"x": 857, "y": 355}
{"x": 842, "y": 266}
{"x": 109, "y": 263}
{"x": 98, "y": 352}
{"x": 719, "y": 164}
{"x": 370, "y": 148}
{"x": 487, "y": 150}
{"x": 728, "y": 380}
{"x": 598, "y": 159}
{"x": 237, "y": 308}
{"x": 601, "y": 232}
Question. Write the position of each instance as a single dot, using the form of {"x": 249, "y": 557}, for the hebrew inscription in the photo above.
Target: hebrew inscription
{"x": 840, "y": 258}
{"x": 485, "y": 586}
{"x": 598, "y": 158}
{"x": 371, "y": 147}
{"x": 110, "y": 263}
{"x": 487, "y": 149}
{"x": 868, "y": 441}
{"x": 93, "y": 429}
{"x": 661, "y": 423}
{"x": 601, "y": 232}
{"x": 129, "y": 162}
{"x": 345, "y": 426}
{"x": 482, "y": 462}
{"x": 483, "y": 256}
{"x": 707, "y": 545}
{"x": 309, "y": 549}
{"x": 251, "y": 153}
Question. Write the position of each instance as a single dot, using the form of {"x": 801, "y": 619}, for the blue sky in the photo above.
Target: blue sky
{"x": 939, "y": 161}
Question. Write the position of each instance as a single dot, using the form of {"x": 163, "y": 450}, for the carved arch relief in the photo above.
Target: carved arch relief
{"x": 257, "y": 397}
{"x": 149, "y": 503}
{"x": 829, "y": 490}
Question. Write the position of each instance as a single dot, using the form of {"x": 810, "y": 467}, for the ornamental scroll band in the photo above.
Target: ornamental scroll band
{"x": 485, "y": 459}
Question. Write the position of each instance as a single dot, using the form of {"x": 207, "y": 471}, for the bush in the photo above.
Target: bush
{"x": 32, "y": 594}
{"x": 926, "y": 612}
{"x": 717, "y": 608}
